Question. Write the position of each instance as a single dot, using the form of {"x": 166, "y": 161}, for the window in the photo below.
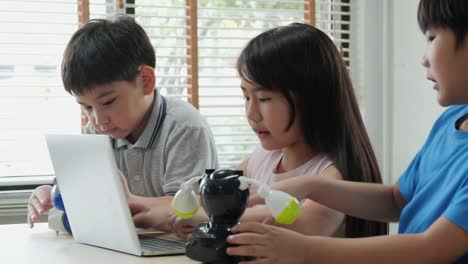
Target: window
{"x": 33, "y": 35}
{"x": 196, "y": 43}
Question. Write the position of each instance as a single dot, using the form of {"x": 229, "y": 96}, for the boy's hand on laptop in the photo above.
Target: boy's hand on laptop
{"x": 39, "y": 203}
{"x": 140, "y": 214}
{"x": 152, "y": 212}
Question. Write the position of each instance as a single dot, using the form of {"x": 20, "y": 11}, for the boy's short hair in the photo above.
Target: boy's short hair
{"x": 452, "y": 14}
{"x": 104, "y": 51}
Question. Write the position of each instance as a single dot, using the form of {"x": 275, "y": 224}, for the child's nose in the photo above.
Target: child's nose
{"x": 100, "y": 118}
{"x": 253, "y": 113}
{"x": 425, "y": 61}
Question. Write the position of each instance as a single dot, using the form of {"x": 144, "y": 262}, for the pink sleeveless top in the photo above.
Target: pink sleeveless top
{"x": 262, "y": 167}
{"x": 263, "y": 163}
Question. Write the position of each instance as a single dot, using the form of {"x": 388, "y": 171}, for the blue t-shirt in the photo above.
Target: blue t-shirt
{"x": 436, "y": 182}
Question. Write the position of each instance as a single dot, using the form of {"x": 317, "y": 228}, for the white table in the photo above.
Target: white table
{"x": 21, "y": 245}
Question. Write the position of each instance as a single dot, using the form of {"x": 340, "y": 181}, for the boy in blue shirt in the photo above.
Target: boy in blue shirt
{"x": 430, "y": 199}
{"x": 159, "y": 142}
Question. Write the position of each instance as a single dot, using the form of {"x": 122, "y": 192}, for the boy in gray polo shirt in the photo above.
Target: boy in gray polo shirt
{"x": 159, "y": 142}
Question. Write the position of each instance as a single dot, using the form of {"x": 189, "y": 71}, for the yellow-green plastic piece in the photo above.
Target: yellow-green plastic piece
{"x": 185, "y": 215}
{"x": 290, "y": 213}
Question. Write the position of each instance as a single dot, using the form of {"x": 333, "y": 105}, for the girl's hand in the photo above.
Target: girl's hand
{"x": 39, "y": 203}
{"x": 184, "y": 227}
{"x": 268, "y": 243}
{"x": 255, "y": 199}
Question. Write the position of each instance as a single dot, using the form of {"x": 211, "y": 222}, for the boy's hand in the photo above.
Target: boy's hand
{"x": 152, "y": 212}
{"x": 39, "y": 203}
{"x": 267, "y": 243}
{"x": 138, "y": 210}
{"x": 148, "y": 212}
{"x": 184, "y": 227}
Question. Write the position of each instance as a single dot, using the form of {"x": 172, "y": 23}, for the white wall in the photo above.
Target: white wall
{"x": 400, "y": 104}
{"x": 414, "y": 106}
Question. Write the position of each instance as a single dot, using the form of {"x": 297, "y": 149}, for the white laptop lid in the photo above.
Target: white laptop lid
{"x": 92, "y": 191}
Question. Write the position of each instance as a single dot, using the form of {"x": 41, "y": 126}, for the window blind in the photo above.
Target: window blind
{"x": 197, "y": 43}
{"x": 33, "y": 35}
{"x": 334, "y": 18}
{"x": 198, "y": 64}
{"x": 225, "y": 27}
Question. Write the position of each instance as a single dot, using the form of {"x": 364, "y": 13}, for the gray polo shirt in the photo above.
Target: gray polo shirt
{"x": 176, "y": 144}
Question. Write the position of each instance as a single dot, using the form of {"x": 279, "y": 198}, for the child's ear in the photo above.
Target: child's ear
{"x": 148, "y": 78}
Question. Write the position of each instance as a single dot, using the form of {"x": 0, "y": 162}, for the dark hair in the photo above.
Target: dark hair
{"x": 104, "y": 51}
{"x": 452, "y": 14}
{"x": 302, "y": 63}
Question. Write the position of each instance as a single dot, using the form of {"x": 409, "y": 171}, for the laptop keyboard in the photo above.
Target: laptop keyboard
{"x": 151, "y": 243}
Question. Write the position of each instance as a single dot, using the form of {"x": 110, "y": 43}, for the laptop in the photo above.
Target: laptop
{"x": 93, "y": 195}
